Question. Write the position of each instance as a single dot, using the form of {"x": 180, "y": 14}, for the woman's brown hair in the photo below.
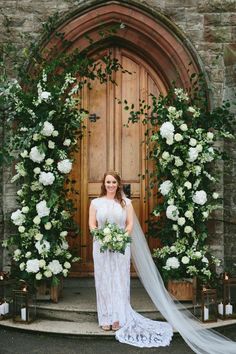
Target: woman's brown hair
{"x": 119, "y": 196}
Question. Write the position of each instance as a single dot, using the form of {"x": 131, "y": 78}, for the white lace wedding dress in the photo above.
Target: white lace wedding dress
{"x": 112, "y": 281}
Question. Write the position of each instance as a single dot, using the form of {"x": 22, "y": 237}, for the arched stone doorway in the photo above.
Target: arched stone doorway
{"x": 149, "y": 47}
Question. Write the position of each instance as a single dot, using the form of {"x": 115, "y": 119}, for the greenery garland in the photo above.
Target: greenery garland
{"x": 182, "y": 135}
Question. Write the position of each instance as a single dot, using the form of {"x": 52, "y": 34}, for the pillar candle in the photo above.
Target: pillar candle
{"x": 220, "y": 308}
{"x": 206, "y": 313}
{"x": 229, "y": 309}
{"x": 23, "y": 314}
{"x": 6, "y": 307}
{"x": 2, "y": 309}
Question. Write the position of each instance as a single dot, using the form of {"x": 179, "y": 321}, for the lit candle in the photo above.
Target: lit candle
{"x": 206, "y": 313}
{"x": 220, "y": 308}
{"x": 23, "y": 314}
{"x": 1, "y": 277}
{"x": 229, "y": 309}
{"x": 6, "y": 307}
{"x": 2, "y": 309}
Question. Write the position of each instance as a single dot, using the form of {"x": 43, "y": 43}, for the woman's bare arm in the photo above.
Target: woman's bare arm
{"x": 130, "y": 219}
{"x": 92, "y": 218}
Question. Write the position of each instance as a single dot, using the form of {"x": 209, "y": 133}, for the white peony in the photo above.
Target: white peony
{"x": 17, "y": 217}
{"x": 200, "y": 197}
{"x": 44, "y": 95}
{"x": 46, "y": 178}
{"x": 167, "y": 130}
{"x": 172, "y": 212}
{"x": 64, "y": 166}
{"x": 181, "y": 221}
{"x": 185, "y": 260}
{"x": 42, "y": 247}
{"x": 32, "y": 266}
{"x": 48, "y": 128}
{"x": 172, "y": 262}
{"x": 192, "y": 154}
{"x": 35, "y": 155}
{"x": 183, "y": 127}
{"x": 55, "y": 267}
{"x": 178, "y": 137}
{"x": 67, "y": 142}
{"x": 165, "y": 187}
{"x": 188, "y": 229}
{"x": 42, "y": 209}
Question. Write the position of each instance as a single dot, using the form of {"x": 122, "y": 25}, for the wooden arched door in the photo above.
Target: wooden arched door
{"x": 109, "y": 145}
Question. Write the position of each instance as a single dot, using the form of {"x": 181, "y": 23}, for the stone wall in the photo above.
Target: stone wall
{"x": 209, "y": 25}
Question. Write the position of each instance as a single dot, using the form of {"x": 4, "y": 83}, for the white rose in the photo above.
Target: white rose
{"x": 28, "y": 254}
{"x": 165, "y": 187}
{"x": 44, "y": 95}
{"x": 37, "y": 170}
{"x": 215, "y": 195}
{"x": 175, "y": 227}
{"x": 172, "y": 212}
{"x": 181, "y": 221}
{"x": 17, "y": 252}
{"x": 38, "y": 236}
{"x": 67, "y": 142}
{"x": 46, "y": 178}
{"x": 38, "y": 276}
{"x": 188, "y": 229}
{"x": 199, "y": 148}
{"x": 22, "y": 266}
{"x": 170, "y": 201}
{"x": 48, "y": 274}
{"x": 200, "y": 197}
{"x": 107, "y": 231}
{"x": 64, "y": 245}
{"x": 24, "y": 154}
{"x": 49, "y": 162}
{"x": 180, "y": 191}
{"x": 178, "y": 162}
{"x": 205, "y": 260}
{"x": 193, "y": 142}
{"x": 36, "y": 137}
{"x": 186, "y": 174}
{"x": 55, "y": 133}
{"x": 178, "y": 137}
{"x": 65, "y": 272}
{"x": 172, "y": 248}
{"x": 210, "y": 135}
{"x": 188, "y": 185}
{"x": 197, "y": 254}
{"x": 19, "y": 192}
{"x": 205, "y": 214}
{"x": 67, "y": 265}
{"x": 42, "y": 263}
{"x": 197, "y": 170}
{"x": 167, "y": 130}
{"x": 188, "y": 214}
{"x": 21, "y": 229}
{"x": 183, "y": 127}
{"x": 192, "y": 154}
{"x": 35, "y": 155}
{"x": 17, "y": 217}
{"x": 165, "y": 155}
{"x": 36, "y": 220}
{"x": 172, "y": 262}
{"x": 25, "y": 209}
{"x": 63, "y": 233}
{"x": 170, "y": 141}
{"x": 32, "y": 266}
{"x": 51, "y": 144}
{"x": 47, "y": 129}
{"x": 48, "y": 226}
{"x": 64, "y": 166}
{"x": 42, "y": 209}
{"x": 185, "y": 260}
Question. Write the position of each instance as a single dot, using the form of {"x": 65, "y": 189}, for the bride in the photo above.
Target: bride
{"x": 112, "y": 281}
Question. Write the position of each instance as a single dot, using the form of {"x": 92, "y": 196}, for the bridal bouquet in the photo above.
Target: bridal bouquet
{"x": 111, "y": 237}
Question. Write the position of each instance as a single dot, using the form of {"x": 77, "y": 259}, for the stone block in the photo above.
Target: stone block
{"x": 216, "y": 6}
{"x": 220, "y": 34}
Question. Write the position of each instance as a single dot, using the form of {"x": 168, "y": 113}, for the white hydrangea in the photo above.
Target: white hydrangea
{"x": 165, "y": 187}
{"x": 48, "y": 128}
{"x": 42, "y": 247}
{"x": 167, "y": 130}
{"x": 46, "y": 178}
{"x": 192, "y": 154}
{"x": 172, "y": 262}
{"x": 32, "y": 266}
{"x": 64, "y": 166}
{"x": 200, "y": 197}
{"x": 35, "y": 155}
{"x": 17, "y": 217}
{"x": 185, "y": 260}
{"x": 55, "y": 267}
{"x": 42, "y": 209}
{"x": 172, "y": 212}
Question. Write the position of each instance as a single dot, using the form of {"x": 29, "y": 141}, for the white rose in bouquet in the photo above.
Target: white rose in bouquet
{"x": 107, "y": 231}
{"x": 35, "y": 155}
{"x": 37, "y": 170}
{"x": 49, "y": 162}
{"x": 32, "y": 266}
{"x": 51, "y": 144}
{"x": 55, "y": 267}
{"x": 172, "y": 262}
{"x": 25, "y": 209}
{"x": 28, "y": 254}
{"x": 188, "y": 185}
{"x": 48, "y": 128}
{"x": 183, "y": 127}
{"x": 197, "y": 170}
{"x": 55, "y": 133}
{"x": 48, "y": 226}
{"x": 197, "y": 254}
{"x": 36, "y": 220}
{"x": 178, "y": 137}
{"x": 38, "y": 276}
{"x": 199, "y": 148}
{"x": 181, "y": 221}
{"x": 205, "y": 214}
{"x": 165, "y": 187}
{"x": 46, "y": 178}
{"x": 170, "y": 140}
{"x": 67, "y": 142}
{"x": 188, "y": 214}
{"x": 48, "y": 273}
{"x": 165, "y": 155}
{"x": 172, "y": 212}
{"x": 210, "y": 136}
{"x": 44, "y": 95}
{"x": 167, "y": 130}
{"x": 188, "y": 229}
{"x": 205, "y": 260}
{"x": 193, "y": 142}
{"x": 22, "y": 266}
{"x": 215, "y": 195}
{"x": 192, "y": 154}
{"x": 21, "y": 229}
{"x": 42, "y": 209}
{"x": 64, "y": 166}
{"x": 67, "y": 265}
{"x": 42, "y": 263}
{"x": 200, "y": 197}
{"x": 185, "y": 260}
{"x": 17, "y": 217}
{"x": 178, "y": 162}
{"x": 38, "y": 236}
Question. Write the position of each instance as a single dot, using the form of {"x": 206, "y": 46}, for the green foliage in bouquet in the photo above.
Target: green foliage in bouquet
{"x": 112, "y": 238}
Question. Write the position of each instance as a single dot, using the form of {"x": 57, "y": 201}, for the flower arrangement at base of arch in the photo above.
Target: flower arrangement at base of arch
{"x": 182, "y": 136}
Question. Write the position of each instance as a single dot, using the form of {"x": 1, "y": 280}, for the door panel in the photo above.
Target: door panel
{"x": 110, "y": 145}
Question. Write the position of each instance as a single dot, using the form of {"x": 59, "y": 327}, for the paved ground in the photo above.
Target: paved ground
{"x": 18, "y": 342}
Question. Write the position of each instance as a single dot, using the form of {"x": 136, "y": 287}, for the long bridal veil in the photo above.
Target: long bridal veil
{"x": 200, "y": 340}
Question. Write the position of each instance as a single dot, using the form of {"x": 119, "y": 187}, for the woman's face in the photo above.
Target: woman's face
{"x": 111, "y": 184}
